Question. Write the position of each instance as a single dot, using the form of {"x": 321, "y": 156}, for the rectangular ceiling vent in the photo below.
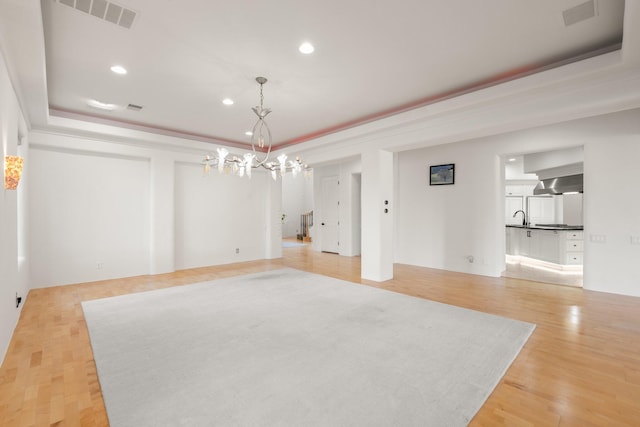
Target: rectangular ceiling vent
{"x": 105, "y": 10}
{"x": 134, "y": 107}
{"x": 579, "y": 13}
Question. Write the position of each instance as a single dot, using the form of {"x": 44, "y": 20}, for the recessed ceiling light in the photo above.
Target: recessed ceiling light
{"x": 513, "y": 159}
{"x": 248, "y": 133}
{"x": 227, "y": 101}
{"x": 306, "y": 48}
{"x": 119, "y": 69}
{"x": 101, "y": 105}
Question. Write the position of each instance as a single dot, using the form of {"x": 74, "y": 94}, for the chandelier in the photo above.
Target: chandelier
{"x": 260, "y": 151}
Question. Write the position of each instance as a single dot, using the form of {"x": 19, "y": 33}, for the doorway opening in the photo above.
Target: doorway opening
{"x": 543, "y": 232}
{"x": 297, "y": 210}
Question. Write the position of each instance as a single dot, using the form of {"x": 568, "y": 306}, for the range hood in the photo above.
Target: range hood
{"x": 559, "y": 185}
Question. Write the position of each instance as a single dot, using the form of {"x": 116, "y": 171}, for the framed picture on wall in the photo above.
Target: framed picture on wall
{"x": 442, "y": 174}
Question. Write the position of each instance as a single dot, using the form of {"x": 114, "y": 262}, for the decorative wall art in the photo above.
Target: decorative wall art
{"x": 442, "y": 174}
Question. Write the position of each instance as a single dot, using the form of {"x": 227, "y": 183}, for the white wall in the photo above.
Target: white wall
{"x": 612, "y": 211}
{"x": 439, "y": 227}
{"x": 217, "y": 214}
{"x": 13, "y": 264}
{"x": 514, "y": 171}
{"x": 89, "y": 217}
{"x": 135, "y": 210}
{"x": 161, "y": 212}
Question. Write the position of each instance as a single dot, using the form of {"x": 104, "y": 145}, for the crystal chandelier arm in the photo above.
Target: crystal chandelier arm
{"x": 282, "y": 160}
{"x": 222, "y": 154}
{"x": 260, "y": 138}
{"x": 248, "y": 163}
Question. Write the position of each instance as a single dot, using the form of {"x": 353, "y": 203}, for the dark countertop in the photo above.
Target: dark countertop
{"x": 548, "y": 227}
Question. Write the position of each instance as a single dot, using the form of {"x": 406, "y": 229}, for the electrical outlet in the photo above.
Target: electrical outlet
{"x": 99, "y": 265}
{"x": 237, "y": 250}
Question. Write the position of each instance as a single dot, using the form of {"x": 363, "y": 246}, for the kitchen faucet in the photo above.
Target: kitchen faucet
{"x": 524, "y": 217}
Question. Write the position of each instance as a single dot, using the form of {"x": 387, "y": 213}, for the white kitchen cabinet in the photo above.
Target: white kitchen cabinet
{"x": 540, "y": 244}
{"x": 507, "y": 241}
{"x": 555, "y": 246}
{"x": 573, "y": 247}
{"x": 541, "y": 210}
{"x": 519, "y": 189}
{"x": 514, "y": 190}
{"x": 575, "y": 235}
{"x": 573, "y": 258}
{"x": 513, "y": 241}
{"x": 547, "y": 246}
{"x": 524, "y": 241}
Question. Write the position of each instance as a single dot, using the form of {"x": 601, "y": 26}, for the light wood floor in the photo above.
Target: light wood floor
{"x": 581, "y": 366}
{"x": 536, "y": 273}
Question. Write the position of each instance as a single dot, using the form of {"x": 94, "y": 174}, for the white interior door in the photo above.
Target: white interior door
{"x": 329, "y": 222}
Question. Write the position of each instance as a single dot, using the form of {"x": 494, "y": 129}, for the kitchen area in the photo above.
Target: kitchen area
{"x": 543, "y": 216}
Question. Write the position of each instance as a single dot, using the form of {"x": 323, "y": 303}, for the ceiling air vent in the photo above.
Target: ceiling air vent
{"x": 105, "y": 10}
{"x": 134, "y": 107}
{"x": 579, "y": 13}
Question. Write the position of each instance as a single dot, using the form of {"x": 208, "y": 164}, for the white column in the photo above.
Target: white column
{"x": 161, "y": 215}
{"x": 377, "y": 215}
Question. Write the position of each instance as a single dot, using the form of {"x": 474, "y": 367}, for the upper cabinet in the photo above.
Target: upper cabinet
{"x": 519, "y": 189}
{"x": 541, "y": 210}
{"x": 514, "y": 190}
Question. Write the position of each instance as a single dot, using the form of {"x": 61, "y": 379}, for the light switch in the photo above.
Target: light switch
{"x": 598, "y": 238}
{"x": 635, "y": 240}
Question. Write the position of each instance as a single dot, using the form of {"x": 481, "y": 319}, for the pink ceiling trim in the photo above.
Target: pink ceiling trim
{"x": 505, "y": 77}
{"x": 60, "y": 112}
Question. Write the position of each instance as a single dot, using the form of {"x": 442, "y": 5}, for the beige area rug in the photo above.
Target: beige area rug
{"x": 290, "y": 348}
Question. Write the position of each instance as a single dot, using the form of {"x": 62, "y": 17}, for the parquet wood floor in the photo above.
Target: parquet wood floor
{"x": 581, "y": 367}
